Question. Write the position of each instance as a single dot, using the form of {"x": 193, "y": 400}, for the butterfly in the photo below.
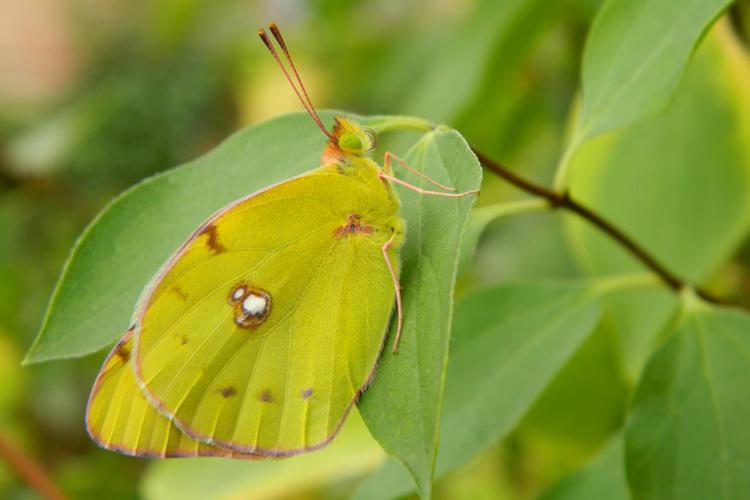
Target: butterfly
{"x": 259, "y": 334}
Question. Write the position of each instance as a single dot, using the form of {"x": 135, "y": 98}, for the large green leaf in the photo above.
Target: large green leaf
{"x": 688, "y": 434}
{"x": 402, "y": 407}
{"x": 128, "y": 241}
{"x": 509, "y": 342}
{"x": 603, "y": 478}
{"x": 634, "y": 57}
{"x": 678, "y": 183}
{"x": 585, "y": 402}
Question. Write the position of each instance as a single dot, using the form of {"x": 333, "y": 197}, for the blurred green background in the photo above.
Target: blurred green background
{"x": 96, "y": 95}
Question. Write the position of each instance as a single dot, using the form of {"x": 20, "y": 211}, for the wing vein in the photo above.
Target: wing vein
{"x": 333, "y": 345}
{"x": 286, "y": 387}
{"x": 252, "y": 374}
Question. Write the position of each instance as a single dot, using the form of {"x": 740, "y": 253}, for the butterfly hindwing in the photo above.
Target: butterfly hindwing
{"x": 263, "y": 329}
{"x": 120, "y": 418}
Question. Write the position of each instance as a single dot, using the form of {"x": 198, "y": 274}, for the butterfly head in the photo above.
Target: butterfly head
{"x": 350, "y": 138}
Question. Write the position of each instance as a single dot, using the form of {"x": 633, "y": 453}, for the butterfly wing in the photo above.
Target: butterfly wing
{"x": 267, "y": 324}
{"x": 119, "y": 417}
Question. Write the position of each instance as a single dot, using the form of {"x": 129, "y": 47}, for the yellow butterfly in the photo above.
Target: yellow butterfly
{"x": 263, "y": 329}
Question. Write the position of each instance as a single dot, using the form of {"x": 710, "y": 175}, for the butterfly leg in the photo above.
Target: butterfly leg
{"x": 397, "y": 286}
{"x": 390, "y": 156}
{"x": 425, "y": 192}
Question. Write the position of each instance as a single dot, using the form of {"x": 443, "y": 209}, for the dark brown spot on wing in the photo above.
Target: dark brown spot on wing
{"x": 123, "y": 353}
{"x": 307, "y": 393}
{"x": 236, "y": 298}
{"x": 184, "y": 339}
{"x": 353, "y": 225}
{"x": 266, "y": 396}
{"x": 228, "y": 391}
{"x": 212, "y": 238}
{"x": 179, "y": 292}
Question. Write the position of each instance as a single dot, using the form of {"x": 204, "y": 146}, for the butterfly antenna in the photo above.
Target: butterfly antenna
{"x": 307, "y": 104}
{"x": 280, "y": 39}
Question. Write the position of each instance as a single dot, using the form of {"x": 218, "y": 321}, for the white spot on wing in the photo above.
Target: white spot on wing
{"x": 254, "y": 305}
{"x": 237, "y": 295}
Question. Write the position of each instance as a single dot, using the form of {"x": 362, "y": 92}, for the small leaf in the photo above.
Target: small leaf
{"x": 402, "y": 407}
{"x": 687, "y": 436}
{"x": 634, "y": 57}
{"x": 604, "y": 477}
{"x": 509, "y": 342}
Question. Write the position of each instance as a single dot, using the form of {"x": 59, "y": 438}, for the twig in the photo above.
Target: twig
{"x": 30, "y": 471}
{"x": 564, "y": 200}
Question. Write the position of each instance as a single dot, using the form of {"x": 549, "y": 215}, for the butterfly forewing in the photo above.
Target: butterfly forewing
{"x": 268, "y": 322}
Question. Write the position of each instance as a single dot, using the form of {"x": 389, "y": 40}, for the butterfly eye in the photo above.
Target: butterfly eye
{"x": 372, "y": 137}
{"x": 350, "y": 142}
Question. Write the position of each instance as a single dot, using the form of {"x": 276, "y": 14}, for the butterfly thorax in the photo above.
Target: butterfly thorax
{"x": 362, "y": 168}
{"x": 380, "y": 219}
{"x": 348, "y": 153}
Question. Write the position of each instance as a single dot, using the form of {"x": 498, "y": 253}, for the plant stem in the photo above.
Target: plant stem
{"x": 565, "y": 201}
{"x": 387, "y": 123}
{"x": 616, "y": 282}
{"x": 31, "y": 472}
{"x": 561, "y": 176}
{"x": 489, "y": 213}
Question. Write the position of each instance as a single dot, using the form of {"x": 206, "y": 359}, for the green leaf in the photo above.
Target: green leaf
{"x": 585, "y": 402}
{"x": 678, "y": 184}
{"x": 402, "y": 407}
{"x": 352, "y": 453}
{"x": 128, "y": 241}
{"x": 687, "y": 436}
{"x": 604, "y": 477}
{"x": 509, "y": 342}
{"x": 634, "y": 57}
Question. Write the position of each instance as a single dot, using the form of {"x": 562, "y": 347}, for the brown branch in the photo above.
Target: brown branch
{"x": 564, "y": 200}
{"x": 30, "y": 471}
